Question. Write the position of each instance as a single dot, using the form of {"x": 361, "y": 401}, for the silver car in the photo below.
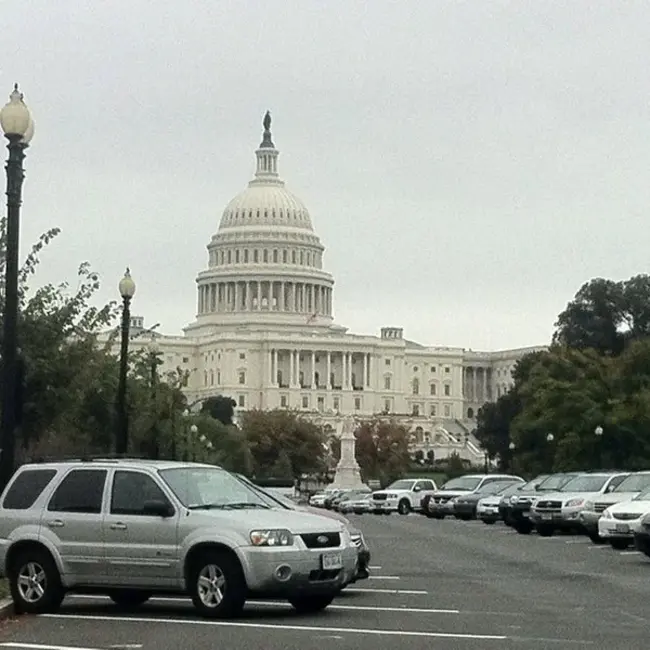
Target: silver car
{"x": 132, "y": 528}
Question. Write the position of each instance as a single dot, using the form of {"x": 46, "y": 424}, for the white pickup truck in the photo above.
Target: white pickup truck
{"x": 402, "y": 496}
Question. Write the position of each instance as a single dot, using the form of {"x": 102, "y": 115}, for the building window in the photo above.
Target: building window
{"x": 416, "y": 386}
{"x": 246, "y": 256}
{"x": 387, "y": 405}
{"x": 283, "y": 401}
{"x": 433, "y": 411}
{"x": 242, "y": 355}
{"x": 237, "y": 256}
{"x": 336, "y": 404}
{"x": 242, "y": 377}
{"x": 305, "y": 401}
{"x": 447, "y": 369}
{"x": 447, "y": 410}
{"x": 357, "y": 403}
{"x": 470, "y": 413}
{"x": 218, "y": 377}
{"x": 186, "y": 359}
{"x": 433, "y": 368}
{"x": 447, "y": 390}
{"x": 241, "y": 400}
{"x": 321, "y": 403}
{"x": 211, "y": 377}
{"x": 415, "y": 368}
{"x": 256, "y": 256}
{"x": 432, "y": 389}
{"x": 266, "y": 255}
{"x": 387, "y": 362}
{"x": 415, "y": 410}
{"x": 284, "y": 257}
{"x": 387, "y": 382}
{"x": 205, "y": 377}
{"x": 275, "y": 256}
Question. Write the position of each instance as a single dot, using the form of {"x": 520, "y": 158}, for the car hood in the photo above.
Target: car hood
{"x": 319, "y": 512}
{"x": 614, "y": 497}
{"x": 567, "y": 496}
{"x": 295, "y": 521}
{"x": 492, "y": 500}
{"x": 636, "y": 507}
{"x": 451, "y": 493}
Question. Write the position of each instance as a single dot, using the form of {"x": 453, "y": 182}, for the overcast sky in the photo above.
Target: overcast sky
{"x": 468, "y": 165}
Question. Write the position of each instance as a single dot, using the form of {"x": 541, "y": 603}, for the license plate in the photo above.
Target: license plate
{"x": 547, "y": 517}
{"x": 622, "y": 528}
{"x": 331, "y": 561}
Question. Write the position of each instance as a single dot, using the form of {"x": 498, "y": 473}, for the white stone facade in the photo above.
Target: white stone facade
{"x": 264, "y": 332}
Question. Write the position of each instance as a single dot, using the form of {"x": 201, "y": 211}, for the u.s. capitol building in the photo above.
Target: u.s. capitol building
{"x": 264, "y": 332}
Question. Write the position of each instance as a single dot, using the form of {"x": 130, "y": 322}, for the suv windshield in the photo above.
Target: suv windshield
{"x": 494, "y": 487}
{"x": 463, "y": 483}
{"x": 585, "y": 484}
{"x": 210, "y": 487}
{"x": 644, "y": 496}
{"x": 555, "y": 482}
{"x": 402, "y": 484}
{"x": 634, "y": 483}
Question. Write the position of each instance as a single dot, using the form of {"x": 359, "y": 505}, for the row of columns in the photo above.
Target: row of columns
{"x": 476, "y": 384}
{"x": 313, "y": 378}
{"x": 265, "y": 295}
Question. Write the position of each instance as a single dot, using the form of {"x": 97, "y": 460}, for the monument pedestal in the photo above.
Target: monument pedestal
{"x": 347, "y": 475}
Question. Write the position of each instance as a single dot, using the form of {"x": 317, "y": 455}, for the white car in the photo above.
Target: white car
{"x": 619, "y": 522}
{"x": 402, "y": 496}
{"x": 318, "y": 500}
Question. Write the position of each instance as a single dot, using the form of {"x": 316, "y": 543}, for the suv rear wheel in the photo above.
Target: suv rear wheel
{"x": 217, "y": 585}
{"x": 35, "y": 582}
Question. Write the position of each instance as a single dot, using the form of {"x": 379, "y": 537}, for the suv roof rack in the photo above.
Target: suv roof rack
{"x": 85, "y": 458}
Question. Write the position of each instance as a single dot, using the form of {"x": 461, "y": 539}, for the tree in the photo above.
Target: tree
{"x": 272, "y": 434}
{"x": 221, "y": 408}
{"x": 605, "y": 315}
{"x": 382, "y": 450}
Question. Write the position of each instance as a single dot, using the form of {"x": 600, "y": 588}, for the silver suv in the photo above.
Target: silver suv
{"x": 132, "y": 528}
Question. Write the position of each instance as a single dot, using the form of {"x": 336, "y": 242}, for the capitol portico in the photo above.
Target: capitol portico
{"x": 264, "y": 332}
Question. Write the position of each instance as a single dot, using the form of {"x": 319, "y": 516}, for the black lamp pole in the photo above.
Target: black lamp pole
{"x": 127, "y": 290}
{"x": 18, "y": 128}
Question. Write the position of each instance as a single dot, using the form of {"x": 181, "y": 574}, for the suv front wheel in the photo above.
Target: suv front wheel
{"x": 217, "y": 585}
{"x": 404, "y": 507}
{"x": 35, "y": 582}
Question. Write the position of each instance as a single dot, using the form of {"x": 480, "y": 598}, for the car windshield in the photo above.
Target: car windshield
{"x": 402, "y": 484}
{"x": 555, "y": 482}
{"x": 585, "y": 484}
{"x": 276, "y": 499}
{"x": 634, "y": 483}
{"x": 510, "y": 488}
{"x": 536, "y": 481}
{"x": 644, "y": 496}
{"x": 493, "y": 487}
{"x": 210, "y": 487}
{"x": 468, "y": 483}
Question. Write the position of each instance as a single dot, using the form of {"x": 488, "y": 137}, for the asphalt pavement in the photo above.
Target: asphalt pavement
{"x": 434, "y": 584}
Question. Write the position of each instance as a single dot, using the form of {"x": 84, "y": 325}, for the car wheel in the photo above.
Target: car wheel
{"x": 464, "y": 517}
{"x": 489, "y": 522}
{"x": 129, "y": 598}
{"x": 436, "y": 515}
{"x": 523, "y": 528}
{"x": 545, "y": 531}
{"x": 619, "y": 544}
{"x": 404, "y": 507}
{"x": 596, "y": 538}
{"x": 35, "y": 583}
{"x": 311, "y": 604}
{"x": 217, "y": 585}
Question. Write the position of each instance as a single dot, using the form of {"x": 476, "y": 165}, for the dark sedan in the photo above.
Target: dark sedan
{"x": 465, "y": 506}
{"x": 642, "y": 536}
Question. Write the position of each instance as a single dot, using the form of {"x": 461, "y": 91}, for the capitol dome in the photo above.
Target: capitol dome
{"x": 265, "y": 263}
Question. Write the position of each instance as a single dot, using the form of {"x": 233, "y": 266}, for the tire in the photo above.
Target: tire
{"x": 596, "y": 538}
{"x": 545, "y": 531}
{"x": 489, "y": 522}
{"x": 311, "y": 604}
{"x": 217, "y": 585}
{"x": 35, "y": 568}
{"x": 437, "y": 515}
{"x": 523, "y": 527}
{"x": 129, "y": 598}
{"x": 619, "y": 544}
{"x": 464, "y": 517}
{"x": 404, "y": 507}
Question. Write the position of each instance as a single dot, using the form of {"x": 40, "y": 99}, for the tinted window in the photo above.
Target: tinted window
{"x": 131, "y": 490}
{"x": 464, "y": 483}
{"x": 27, "y": 487}
{"x": 80, "y": 491}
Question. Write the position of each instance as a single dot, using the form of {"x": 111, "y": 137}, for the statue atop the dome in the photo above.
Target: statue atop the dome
{"x": 267, "y": 142}
{"x": 267, "y": 121}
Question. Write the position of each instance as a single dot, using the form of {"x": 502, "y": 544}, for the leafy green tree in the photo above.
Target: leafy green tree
{"x": 221, "y": 408}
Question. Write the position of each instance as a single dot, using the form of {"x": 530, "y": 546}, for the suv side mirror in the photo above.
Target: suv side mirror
{"x": 158, "y": 508}
{"x": 417, "y": 488}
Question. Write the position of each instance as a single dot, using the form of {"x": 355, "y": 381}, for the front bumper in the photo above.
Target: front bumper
{"x": 441, "y": 508}
{"x": 381, "y": 507}
{"x": 589, "y": 520}
{"x": 307, "y": 572}
{"x": 556, "y": 519}
{"x": 464, "y": 509}
{"x": 618, "y": 529}
{"x": 487, "y": 513}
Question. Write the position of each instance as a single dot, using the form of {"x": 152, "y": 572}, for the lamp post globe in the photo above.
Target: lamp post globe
{"x": 512, "y": 446}
{"x": 598, "y": 430}
{"x": 550, "y": 437}
{"x": 127, "y": 286}
{"x": 194, "y": 429}
{"x": 18, "y": 127}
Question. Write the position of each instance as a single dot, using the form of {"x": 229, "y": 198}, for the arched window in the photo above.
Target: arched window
{"x": 470, "y": 413}
{"x": 265, "y": 256}
{"x": 416, "y": 386}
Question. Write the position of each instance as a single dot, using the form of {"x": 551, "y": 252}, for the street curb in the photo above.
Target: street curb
{"x": 6, "y": 608}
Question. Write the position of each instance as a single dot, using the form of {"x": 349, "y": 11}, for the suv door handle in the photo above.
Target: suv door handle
{"x": 118, "y": 526}
{"x": 55, "y": 523}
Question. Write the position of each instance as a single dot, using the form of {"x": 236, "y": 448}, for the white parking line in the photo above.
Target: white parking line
{"x": 408, "y": 592}
{"x": 39, "y": 646}
{"x": 599, "y": 547}
{"x": 268, "y": 626}
{"x": 383, "y": 577}
{"x": 630, "y": 552}
{"x": 374, "y": 568}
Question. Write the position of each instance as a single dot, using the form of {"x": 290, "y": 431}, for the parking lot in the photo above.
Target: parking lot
{"x": 441, "y": 584}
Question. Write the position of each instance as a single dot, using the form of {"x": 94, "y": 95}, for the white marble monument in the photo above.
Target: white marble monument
{"x": 347, "y": 476}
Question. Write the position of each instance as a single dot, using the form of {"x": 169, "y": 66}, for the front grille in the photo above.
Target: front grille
{"x": 601, "y": 507}
{"x": 317, "y": 575}
{"x": 548, "y": 505}
{"x": 321, "y": 540}
{"x": 625, "y": 516}
{"x": 379, "y": 497}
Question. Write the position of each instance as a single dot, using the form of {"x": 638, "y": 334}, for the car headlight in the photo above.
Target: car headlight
{"x": 514, "y": 498}
{"x": 273, "y": 537}
{"x": 589, "y": 505}
{"x": 573, "y": 503}
{"x": 646, "y": 519}
{"x": 607, "y": 514}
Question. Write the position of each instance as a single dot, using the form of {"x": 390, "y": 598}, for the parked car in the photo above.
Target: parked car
{"x": 522, "y": 490}
{"x": 346, "y": 495}
{"x": 642, "y": 536}
{"x": 465, "y": 505}
{"x": 359, "y": 505}
{"x": 210, "y": 536}
{"x": 441, "y": 502}
{"x": 402, "y": 496}
{"x": 620, "y": 521}
{"x": 592, "y": 510}
{"x": 318, "y": 500}
{"x": 520, "y": 504}
{"x": 356, "y": 535}
{"x": 560, "y": 510}
{"x": 487, "y": 509}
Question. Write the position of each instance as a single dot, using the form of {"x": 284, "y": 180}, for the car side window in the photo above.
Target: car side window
{"x": 27, "y": 487}
{"x": 131, "y": 490}
{"x": 81, "y": 490}
{"x": 419, "y": 486}
{"x": 428, "y": 485}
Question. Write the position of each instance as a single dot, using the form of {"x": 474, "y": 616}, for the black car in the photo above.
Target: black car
{"x": 519, "y": 512}
{"x": 465, "y": 506}
{"x": 642, "y": 536}
{"x": 505, "y": 506}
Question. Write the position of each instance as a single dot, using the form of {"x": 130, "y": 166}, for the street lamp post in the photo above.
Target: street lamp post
{"x": 18, "y": 128}
{"x": 127, "y": 291}
{"x": 550, "y": 438}
{"x": 598, "y": 432}
{"x": 154, "y": 359}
